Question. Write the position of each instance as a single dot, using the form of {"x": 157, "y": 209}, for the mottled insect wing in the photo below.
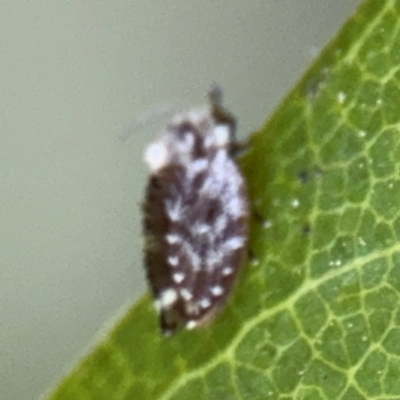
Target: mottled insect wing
{"x": 195, "y": 216}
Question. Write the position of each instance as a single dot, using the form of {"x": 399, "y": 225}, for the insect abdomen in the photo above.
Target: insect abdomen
{"x": 196, "y": 217}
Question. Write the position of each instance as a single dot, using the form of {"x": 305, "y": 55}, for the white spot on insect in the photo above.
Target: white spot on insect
{"x": 192, "y": 255}
{"x": 173, "y": 238}
{"x": 178, "y": 277}
{"x": 211, "y": 187}
{"x": 227, "y": 271}
{"x": 174, "y": 210}
{"x": 173, "y": 261}
{"x": 221, "y": 133}
{"x": 156, "y": 156}
{"x": 214, "y": 260}
{"x": 204, "y": 302}
{"x": 235, "y": 207}
{"x": 191, "y": 324}
{"x": 185, "y": 294}
{"x": 192, "y": 308}
{"x": 199, "y": 165}
{"x": 166, "y": 299}
{"x": 216, "y": 290}
{"x": 185, "y": 146}
{"x": 234, "y": 243}
{"x": 220, "y": 224}
{"x": 201, "y": 229}
{"x": 209, "y": 142}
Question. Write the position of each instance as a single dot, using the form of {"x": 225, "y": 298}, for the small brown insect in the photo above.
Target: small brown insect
{"x": 195, "y": 216}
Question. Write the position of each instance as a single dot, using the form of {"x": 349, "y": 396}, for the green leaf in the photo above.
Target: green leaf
{"x": 316, "y": 314}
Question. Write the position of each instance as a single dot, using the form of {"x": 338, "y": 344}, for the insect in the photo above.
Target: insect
{"x": 195, "y": 216}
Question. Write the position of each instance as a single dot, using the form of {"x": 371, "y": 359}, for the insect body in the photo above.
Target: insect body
{"x": 196, "y": 216}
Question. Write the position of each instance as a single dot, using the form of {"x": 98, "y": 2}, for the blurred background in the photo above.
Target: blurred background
{"x": 74, "y": 77}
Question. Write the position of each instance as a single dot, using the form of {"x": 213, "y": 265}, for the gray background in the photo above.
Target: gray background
{"x": 73, "y": 77}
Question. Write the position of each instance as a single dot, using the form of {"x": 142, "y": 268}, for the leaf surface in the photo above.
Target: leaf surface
{"x": 316, "y": 313}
